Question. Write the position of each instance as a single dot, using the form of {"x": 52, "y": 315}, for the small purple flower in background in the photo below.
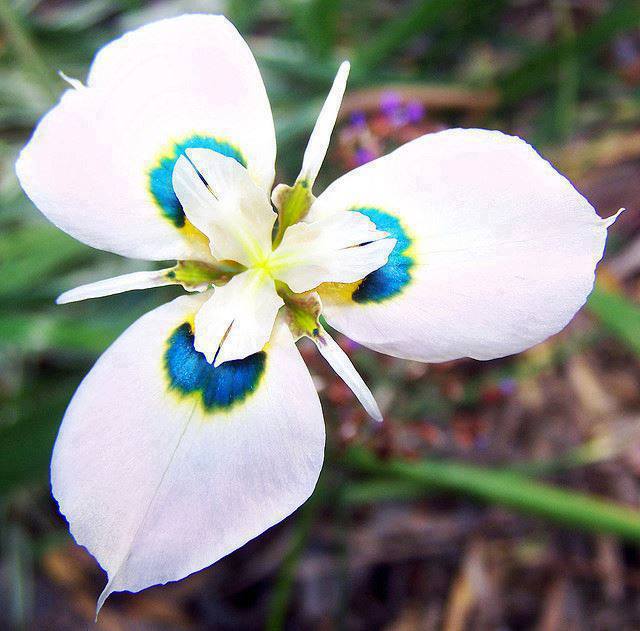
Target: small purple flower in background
{"x": 390, "y": 103}
{"x": 381, "y": 127}
{"x": 508, "y": 386}
{"x": 415, "y": 112}
{"x": 364, "y": 155}
{"x": 349, "y": 345}
{"x": 358, "y": 120}
{"x": 393, "y": 109}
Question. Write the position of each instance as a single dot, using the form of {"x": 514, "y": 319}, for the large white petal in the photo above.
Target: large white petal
{"x": 223, "y": 202}
{"x": 341, "y": 247}
{"x": 236, "y": 321}
{"x": 158, "y": 475}
{"x": 320, "y": 136}
{"x": 99, "y": 164}
{"x": 495, "y": 250}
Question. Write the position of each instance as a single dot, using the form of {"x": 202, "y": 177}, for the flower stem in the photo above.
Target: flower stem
{"x": 281, "y": 596}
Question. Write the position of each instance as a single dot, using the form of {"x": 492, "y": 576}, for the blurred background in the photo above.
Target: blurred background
{"x": 498, "y": 495}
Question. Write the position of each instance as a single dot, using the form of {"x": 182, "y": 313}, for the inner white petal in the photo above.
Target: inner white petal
{"x": 341, "y": 248}
{"x": 238, "y": 318}
{"x": 222, "y": 201}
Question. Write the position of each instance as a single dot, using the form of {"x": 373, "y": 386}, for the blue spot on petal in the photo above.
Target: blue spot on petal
{"x": 218, "y": 388}
{"x": 395, "y": 274}
{"x": 160, "y": 176}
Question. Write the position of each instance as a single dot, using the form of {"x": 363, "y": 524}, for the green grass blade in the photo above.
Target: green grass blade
{"x": 396, "y": 33}
{"x": 618, "y": 315}
{"x": 541, "y": 66}
{"x": 33, "y": 333}
{"x": 25, "y": 50}
{"x": 283, "y": 588}
{"x": 513, "y": 490}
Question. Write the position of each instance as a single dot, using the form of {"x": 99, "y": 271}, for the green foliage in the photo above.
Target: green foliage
{"x": 618, "y": 315}
{"x": 507, "y": 488}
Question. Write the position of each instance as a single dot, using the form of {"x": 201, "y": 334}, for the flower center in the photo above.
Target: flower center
{"x": 264, "y": 263}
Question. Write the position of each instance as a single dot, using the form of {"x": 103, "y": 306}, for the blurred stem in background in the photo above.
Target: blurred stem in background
{"x": 564, "y": 112}
{"x": 416, "y": 19}
{"x": 283, "y": 587}
{"x": 537, "y": 68}
{"x": 506, "y": 488}
{"x": 25, "y": 50}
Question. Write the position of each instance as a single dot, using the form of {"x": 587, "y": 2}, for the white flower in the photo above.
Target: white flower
{"x": 200, "y": 427}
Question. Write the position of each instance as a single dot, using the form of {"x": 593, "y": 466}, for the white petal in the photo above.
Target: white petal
{"x": 164, "y": 464}
{"x": 99, "y": 164}
{"x": 341, "y": 363}
{"x": 116, "y": 285}
{"x": 342, "y": 248}
{"x": 319, "y": 141}
{"x": 230, "y": 208}
{"x": 495, "y": 250}
{"x": 74, "y": 83}
{"x": 238, "y": 318}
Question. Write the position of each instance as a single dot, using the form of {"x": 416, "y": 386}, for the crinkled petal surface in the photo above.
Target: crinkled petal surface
{"x": 164, "y": 464}
{"x": 236, "y": 321}
{"x": 495, "y": 250}
{"x": 99, "y": 164}
{"x": 341, "y": 248}
{"x": 222, "y": 201}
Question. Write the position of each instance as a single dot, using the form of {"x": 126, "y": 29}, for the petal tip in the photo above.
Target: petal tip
{"x": 74, "y": 83}
{"x": 343, "y": 367}
{"x": 609, "y": 221}
{"x": 210, "y": 356}
{"x": 106, "y": 592}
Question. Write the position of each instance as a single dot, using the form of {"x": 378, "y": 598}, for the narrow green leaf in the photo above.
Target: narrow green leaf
{"x": 510, "y": 489}
{"x": 283, "y": 588}
{"x": 25, "y": 446}
{"x": 319, "y": 22}
{"x": 25, "y": 50}
{"x": 382, "y": 490}
{"x": 38, "y": 332}
{"x": 618, "y": 315}
{"x": 540, "y": 67}
{"x": 396, "y": 33}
